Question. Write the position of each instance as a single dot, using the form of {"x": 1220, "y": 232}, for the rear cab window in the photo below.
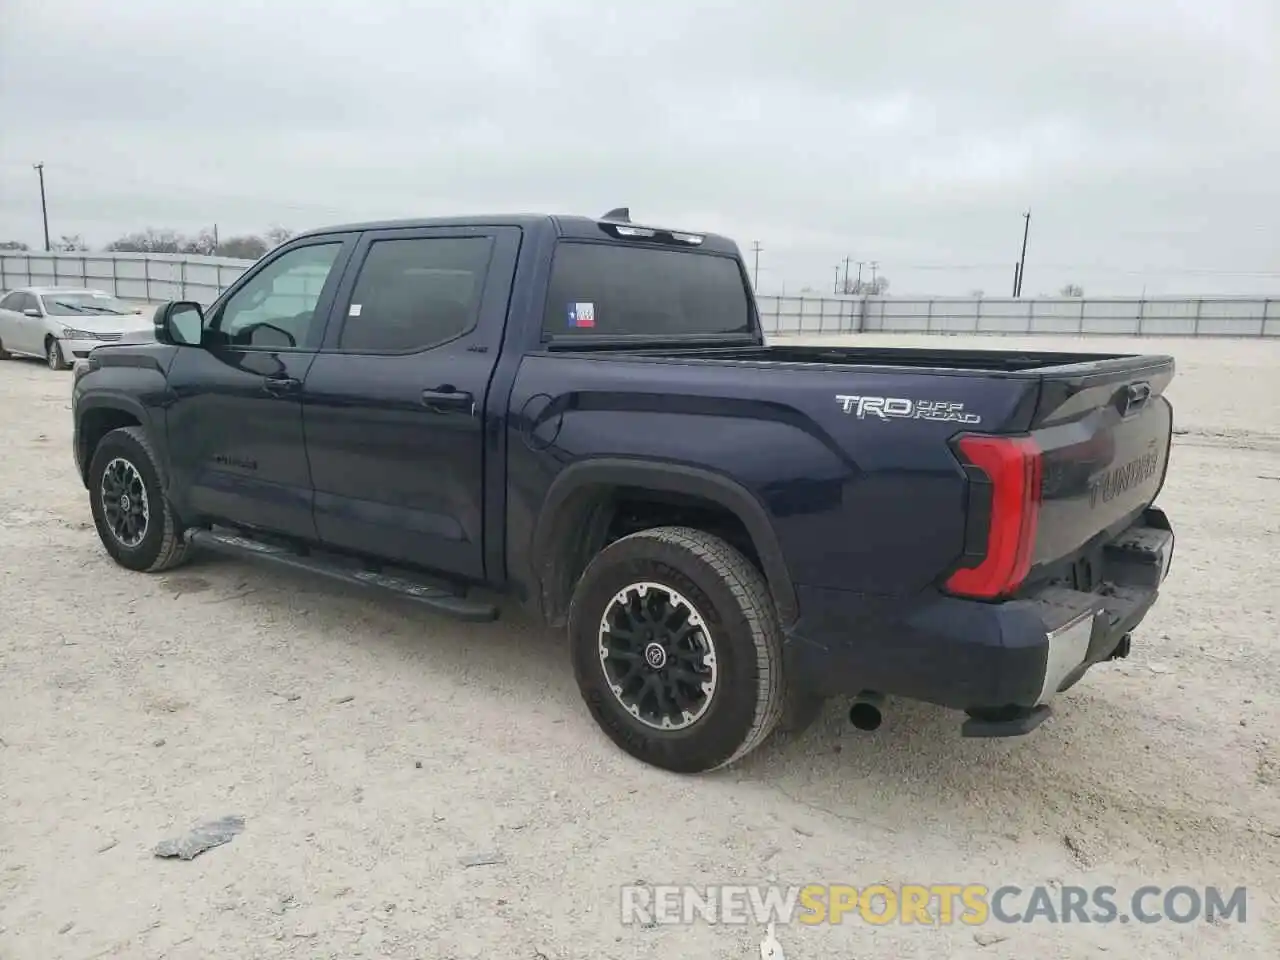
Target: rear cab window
{"x": 604, "y": 290}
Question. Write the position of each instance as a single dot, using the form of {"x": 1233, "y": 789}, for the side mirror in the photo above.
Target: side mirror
{"x": 180, "y": 323}
{"x": 31, "y": 312}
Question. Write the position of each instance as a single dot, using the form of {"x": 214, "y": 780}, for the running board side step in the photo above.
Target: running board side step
{"x": 433, "y": 597}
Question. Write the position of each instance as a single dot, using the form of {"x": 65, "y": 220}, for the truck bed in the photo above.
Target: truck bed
{"x": 933, "y": 360}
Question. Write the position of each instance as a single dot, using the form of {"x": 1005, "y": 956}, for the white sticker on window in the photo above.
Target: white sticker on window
{"x": 354, "y": 311}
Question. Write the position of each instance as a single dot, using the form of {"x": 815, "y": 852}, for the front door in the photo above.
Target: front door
{"x": 394, "y": 406}
{"x": 235, "y": 424}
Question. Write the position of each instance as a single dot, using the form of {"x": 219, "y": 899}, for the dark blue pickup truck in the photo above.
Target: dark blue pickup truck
{"x": 583, "y": 414}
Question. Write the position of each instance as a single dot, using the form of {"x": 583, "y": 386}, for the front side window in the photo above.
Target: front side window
{"x": 415, "y": 293}
{"x": 614, "y": 289}
{"x": 276, "y": 307}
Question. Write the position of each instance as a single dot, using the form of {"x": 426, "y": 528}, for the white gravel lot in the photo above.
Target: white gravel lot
{"x": 371, "y": 748}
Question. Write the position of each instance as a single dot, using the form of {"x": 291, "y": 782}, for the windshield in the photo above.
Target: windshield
{"x": 614, "y": 289}
{"x": 79, "y": 303}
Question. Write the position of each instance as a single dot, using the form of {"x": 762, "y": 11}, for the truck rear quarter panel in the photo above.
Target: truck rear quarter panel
{"x": 872, "y": 504}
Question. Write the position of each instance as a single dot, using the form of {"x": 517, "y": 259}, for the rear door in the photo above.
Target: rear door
{"x": 394, "y": 407}
{"x": 27, "y": 334}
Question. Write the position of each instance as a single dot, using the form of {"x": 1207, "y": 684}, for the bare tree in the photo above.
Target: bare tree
{"x": 867, "y": 288}
{"x": 203, "y": 243}
{"x": 149, "y": 240}
{"x": 1071, "y": 290}
{"x": 206, "y": 243}
{"x": 71, "y": 243}
{"x": 278, "y": 235}
{"x": 243, "y": 248}
{"x": 13, "y": 245}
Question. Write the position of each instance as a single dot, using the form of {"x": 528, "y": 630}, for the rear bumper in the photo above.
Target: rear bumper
{"x": 981, "y": 657}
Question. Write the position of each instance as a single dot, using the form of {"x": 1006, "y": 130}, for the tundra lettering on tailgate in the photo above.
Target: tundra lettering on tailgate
{"x": 899, "y": 408}
{"x": 1111, "y": 484}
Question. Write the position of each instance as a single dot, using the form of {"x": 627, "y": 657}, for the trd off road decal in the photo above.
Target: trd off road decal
{"x": 899, "y": 408}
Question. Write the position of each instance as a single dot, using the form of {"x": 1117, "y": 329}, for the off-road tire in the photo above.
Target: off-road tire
{"x": 734, "y": 601}
{"x": 162, "y": 547}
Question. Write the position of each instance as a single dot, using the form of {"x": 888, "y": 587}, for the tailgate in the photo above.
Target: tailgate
{"x": 1091, "y": 459}
{"x": 1104, "y": 438}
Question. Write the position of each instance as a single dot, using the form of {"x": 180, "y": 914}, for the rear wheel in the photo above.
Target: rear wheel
{"x": 53, "y": 355}
{"x": 135, "y": 522}
{"x": 677, "y": 649}
{"x": 4, "y": 354}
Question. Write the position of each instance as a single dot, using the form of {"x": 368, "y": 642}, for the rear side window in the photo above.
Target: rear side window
{"x": 415, "y": 293}
{"x": 612, "y": 289}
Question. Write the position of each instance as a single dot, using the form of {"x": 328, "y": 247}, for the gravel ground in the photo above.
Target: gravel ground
{"x": 372, "y": 749}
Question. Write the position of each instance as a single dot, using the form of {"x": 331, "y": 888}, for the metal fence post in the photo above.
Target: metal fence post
{"x": 1142, "y": 308}
{"x": 928, "y": 316}
{"x": 1195, "y": 328}
{"x": 1031, "y": 316}
{"x": 146, "y": 277}
{"x": 822, "y": 314}
{"x": 53, "y": 257}
{"x": 1083, "y": 304}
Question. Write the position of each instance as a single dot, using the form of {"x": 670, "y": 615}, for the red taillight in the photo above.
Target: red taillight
{"x": 1012, "y": 465}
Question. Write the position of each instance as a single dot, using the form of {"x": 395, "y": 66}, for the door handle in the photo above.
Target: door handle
{"x": 446, "y": 399}
{"x": 279, "y": 386}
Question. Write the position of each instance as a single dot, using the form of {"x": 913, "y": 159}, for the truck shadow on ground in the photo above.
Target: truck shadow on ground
{"x": 1084, "y": 780}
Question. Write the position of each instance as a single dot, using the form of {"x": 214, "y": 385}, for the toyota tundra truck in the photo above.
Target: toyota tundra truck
{"x": 583, "y": 415}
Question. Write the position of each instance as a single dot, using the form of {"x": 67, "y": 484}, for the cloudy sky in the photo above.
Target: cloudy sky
{"x": 1144, "y": 135}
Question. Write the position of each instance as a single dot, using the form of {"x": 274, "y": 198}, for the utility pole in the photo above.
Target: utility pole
{"x": 755, "y": 273}
{"x": 44, "y": 207}
{"x": 846, "y": 274}
{"x": 1015, "y": 279}
{"x": 874, "y": 265}
{"x": 216, "y": 244}
{"x": 1022, "y": 261}
{"x": 835, "y": 287}
{"x": 858, "y": 286}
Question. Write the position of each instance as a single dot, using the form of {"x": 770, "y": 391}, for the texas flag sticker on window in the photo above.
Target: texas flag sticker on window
{"x": 582, "y": 314}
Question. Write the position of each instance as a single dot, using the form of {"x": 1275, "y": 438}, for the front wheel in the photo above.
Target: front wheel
{"x": 53, "y": 355}
{"x": 134, "y": 520}
{"x": 677, "y": 649}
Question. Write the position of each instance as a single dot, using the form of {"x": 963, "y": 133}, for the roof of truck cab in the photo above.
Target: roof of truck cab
{"x": 576, "y": 227}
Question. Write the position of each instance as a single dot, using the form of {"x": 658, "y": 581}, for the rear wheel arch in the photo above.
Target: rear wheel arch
{"x": 581, "y": 515}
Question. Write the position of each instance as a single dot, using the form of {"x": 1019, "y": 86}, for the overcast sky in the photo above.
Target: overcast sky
{"x": 1144, "y": 135}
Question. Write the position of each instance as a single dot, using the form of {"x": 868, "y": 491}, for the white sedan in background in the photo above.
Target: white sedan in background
{"x": 62, "y": 324}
